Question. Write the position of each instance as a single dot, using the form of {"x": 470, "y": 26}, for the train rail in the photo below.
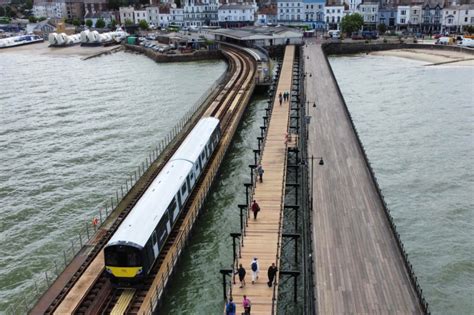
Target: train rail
{"x": 101, "y": 297}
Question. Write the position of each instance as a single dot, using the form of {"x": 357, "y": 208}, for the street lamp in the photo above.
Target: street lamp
{"x": 321, "y": 162}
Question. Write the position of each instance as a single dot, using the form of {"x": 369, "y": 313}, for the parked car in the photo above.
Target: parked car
{"x": 357, "y": 36}
{"x": 370, "y": 35}
{"x": 467, "y": 42}
{"x": 336, "y": 34}
{"x": 445, "y": 41}
{"x": 437, "y": 36}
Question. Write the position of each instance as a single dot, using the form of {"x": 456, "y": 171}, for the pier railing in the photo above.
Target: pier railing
{"x": 88, "y": 230}
{"x": 393, "y": 227}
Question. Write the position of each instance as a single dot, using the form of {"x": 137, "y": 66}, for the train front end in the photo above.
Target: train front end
{"x": 124, "y": 263}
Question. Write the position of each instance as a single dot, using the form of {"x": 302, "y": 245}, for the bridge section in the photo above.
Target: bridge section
{"x": 359, "y": 267}
{"x": 262, "y": 236}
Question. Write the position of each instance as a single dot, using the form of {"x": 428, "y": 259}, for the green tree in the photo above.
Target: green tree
{"x": 352, "y": 23}
{"x": 29, "y": 4}
{"x": 89, "y": 23}
{"x": 76, "y": 22}
{"x": 469, "y": 29}
{"x": 382, "y": 28}
{"x": 112, "y": 23}
{"x": 41, "y": 19}
{"x": 32, "y": 19}
{"x": 128, "y": 22}
{"x": 143, "y": 25}
{"x": 100, "y": 23}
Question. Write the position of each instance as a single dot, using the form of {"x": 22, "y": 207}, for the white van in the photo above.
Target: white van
{"x": 336, "y": 34}
{"x": 467, "y": 42}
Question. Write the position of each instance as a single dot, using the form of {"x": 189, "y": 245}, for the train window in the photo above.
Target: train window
{"x": 132, "y": 259}
{"x": 172, "y": 207}
{"x": 153, "y": 238}
{"x": 183, "y": 189}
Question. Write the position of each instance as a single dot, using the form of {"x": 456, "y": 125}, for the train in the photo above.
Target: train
{"x": 133, "y": 249}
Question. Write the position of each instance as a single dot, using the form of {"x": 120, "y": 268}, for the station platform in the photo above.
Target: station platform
{"x": 359, "y": 268}
{"x": 263, "y": 235}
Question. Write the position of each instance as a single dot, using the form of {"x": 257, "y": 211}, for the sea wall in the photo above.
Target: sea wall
{"x": 159, "y": 57}
{"x": 334, "y": 48}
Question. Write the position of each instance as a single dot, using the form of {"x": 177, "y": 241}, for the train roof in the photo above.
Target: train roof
{"x": 147, "y": 212}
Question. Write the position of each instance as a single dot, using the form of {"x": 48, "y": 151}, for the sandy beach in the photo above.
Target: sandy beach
{"x": 43, "y": 49}
{"x": 431, "y": 57}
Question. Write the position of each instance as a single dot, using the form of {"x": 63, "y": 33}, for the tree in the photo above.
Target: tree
{"x": 32, "y": 19}
{"x": 112, "y": 23}
{"x": 41, "y": 19}
{"x": 382, "y": 28}
{"x": 76, "y": 22}
{"x": 469, "y": 29}
{"x": 100, "y": 23}
{"x": 128, "y": 22}
{"x": 89, "y": 23}
{"x": 29, "y": 4}
{"x": 143, "y": 24}
{"x": 352, "y": 23}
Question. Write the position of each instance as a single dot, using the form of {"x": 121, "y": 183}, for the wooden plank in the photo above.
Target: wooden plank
{"x": 358, "y": 266}
{"x": 264, "y": 234}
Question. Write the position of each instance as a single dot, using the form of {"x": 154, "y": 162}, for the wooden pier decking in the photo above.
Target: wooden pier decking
{"x": 263, "y": 234}
{"x": 358, "y": 267}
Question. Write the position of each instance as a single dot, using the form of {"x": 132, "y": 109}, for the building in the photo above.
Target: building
{"x": 431, "y": 16}
{"x": 455, "y": 18}
{"x": 126, "y": 14}
{"x": 139, "y": 15}
{"x": 164, "y": 16}
{"x": 251, "y": 36}
{"x": 334, "y": 15}
{"x": 177, "y": 15}
{"x": 403, "y": 16}
{"x": 314, "y": 13}
{"x": 198, "y": 13}
{"x": 370, "y": 13}
{"x": 95, "y": 6}
{"x": 388, "y": 16}
{"x": 290, "y": 11}
{"x": 414, "y": 23}
{"x": 267, "y": 15}
{"x": 42, "y": 28}
{"x": 153, "y": 15}
{"x": 51, "y": 10}
{"x": 353, "y": 5}
{"x": 236, "y": 14}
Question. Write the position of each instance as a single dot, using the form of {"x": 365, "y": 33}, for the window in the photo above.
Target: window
{"x": 465, "y": 19}
{"x": 183, "y": 189}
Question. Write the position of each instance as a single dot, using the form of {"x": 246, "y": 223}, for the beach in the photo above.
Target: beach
{"x": 431, "y": 56}
{"x": 44, "y": 49}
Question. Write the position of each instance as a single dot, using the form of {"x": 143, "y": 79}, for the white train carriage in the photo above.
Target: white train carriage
{"x": 135, "y": 246}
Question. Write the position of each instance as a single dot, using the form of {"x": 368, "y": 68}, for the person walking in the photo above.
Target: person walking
{"x": 280, "y": 98}
{"x": 255, "y": 209}
{"x": 260, "y": 172}
{"x": 241, "y": 272}
{"x": 230, "y": 307}
{"x": 272, "y": 270}
{"x": 246, "y": 304}
{"x": 255, "y": 269}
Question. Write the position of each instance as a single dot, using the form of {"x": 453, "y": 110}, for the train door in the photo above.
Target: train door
{"x": 154, "y": 244}
{"x": 172, "y": 211}
{"x": 162, "y": 231}
{"x": 184, "y": 192}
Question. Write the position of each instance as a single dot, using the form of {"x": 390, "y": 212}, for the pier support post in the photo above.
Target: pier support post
{"x": 252, "y": 167}
{"x": 255, "y": 154}
{"x": 224, "y": 273}
{"x": 242, "y": 208}
{"x": 247, "y": 195}
{"x": 260, "y": 140}
{"x": 234, "y": 252}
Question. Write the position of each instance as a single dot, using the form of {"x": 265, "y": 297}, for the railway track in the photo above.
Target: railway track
{"x": 102, "y": 297}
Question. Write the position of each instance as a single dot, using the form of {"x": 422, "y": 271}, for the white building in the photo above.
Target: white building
{"x": 52, "y": 10}
{"x": 353, "y": 5}
{"x": 415, "y": 15}
{"x": 403, "y": 15}
{"x": 290, "y": 11}
{"x": 267, "y": 15}
{"x": 126, "y": 13}
{"x": 314, "y": 13}
{"x": 334, "y": 15}
{"x": 153, "y": 14}
{"x": 236, "y": 14}
{"x": 177, "y": 15}
{"x": 370, "y": 12}
{"x": 139, "y": 15}
{"x": 456, "y": 18}
{"x": 200, "y": 12}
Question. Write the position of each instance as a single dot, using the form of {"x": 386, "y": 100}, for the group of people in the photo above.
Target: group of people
{"x": 255, "y": 267}
{"x": 285, "y": 97}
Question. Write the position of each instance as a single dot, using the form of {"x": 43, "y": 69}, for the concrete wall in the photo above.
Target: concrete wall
{"x": 159, "y": 57}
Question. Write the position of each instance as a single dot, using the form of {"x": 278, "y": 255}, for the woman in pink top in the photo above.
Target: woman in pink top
{"x": 246, "y": 305}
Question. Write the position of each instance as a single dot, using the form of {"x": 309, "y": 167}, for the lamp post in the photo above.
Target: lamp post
{"x": 321, "y": 162}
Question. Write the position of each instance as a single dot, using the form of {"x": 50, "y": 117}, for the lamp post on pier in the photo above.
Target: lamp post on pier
{"x": 321, "y": 162}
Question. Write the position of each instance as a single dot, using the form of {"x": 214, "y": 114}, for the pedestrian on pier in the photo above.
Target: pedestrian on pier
{"x": 280, "y": 98}
{"x": 230, "y": 307}
{"x": 255, "y": 269}
{"x": 246, "y": 304}
{"x": 241, "y": 272}
{"x": 255, "y": 209}
{"x": 260, "y": 172}
{"x": 272, "y": 270}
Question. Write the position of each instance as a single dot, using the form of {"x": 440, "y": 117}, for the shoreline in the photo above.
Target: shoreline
{"x": 76, "y": 50}
{"x": 430, "y": 57}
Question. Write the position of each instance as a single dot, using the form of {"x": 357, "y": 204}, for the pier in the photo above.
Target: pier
{"x": 262, "y": 237}
{"x": 359, "y": 265}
